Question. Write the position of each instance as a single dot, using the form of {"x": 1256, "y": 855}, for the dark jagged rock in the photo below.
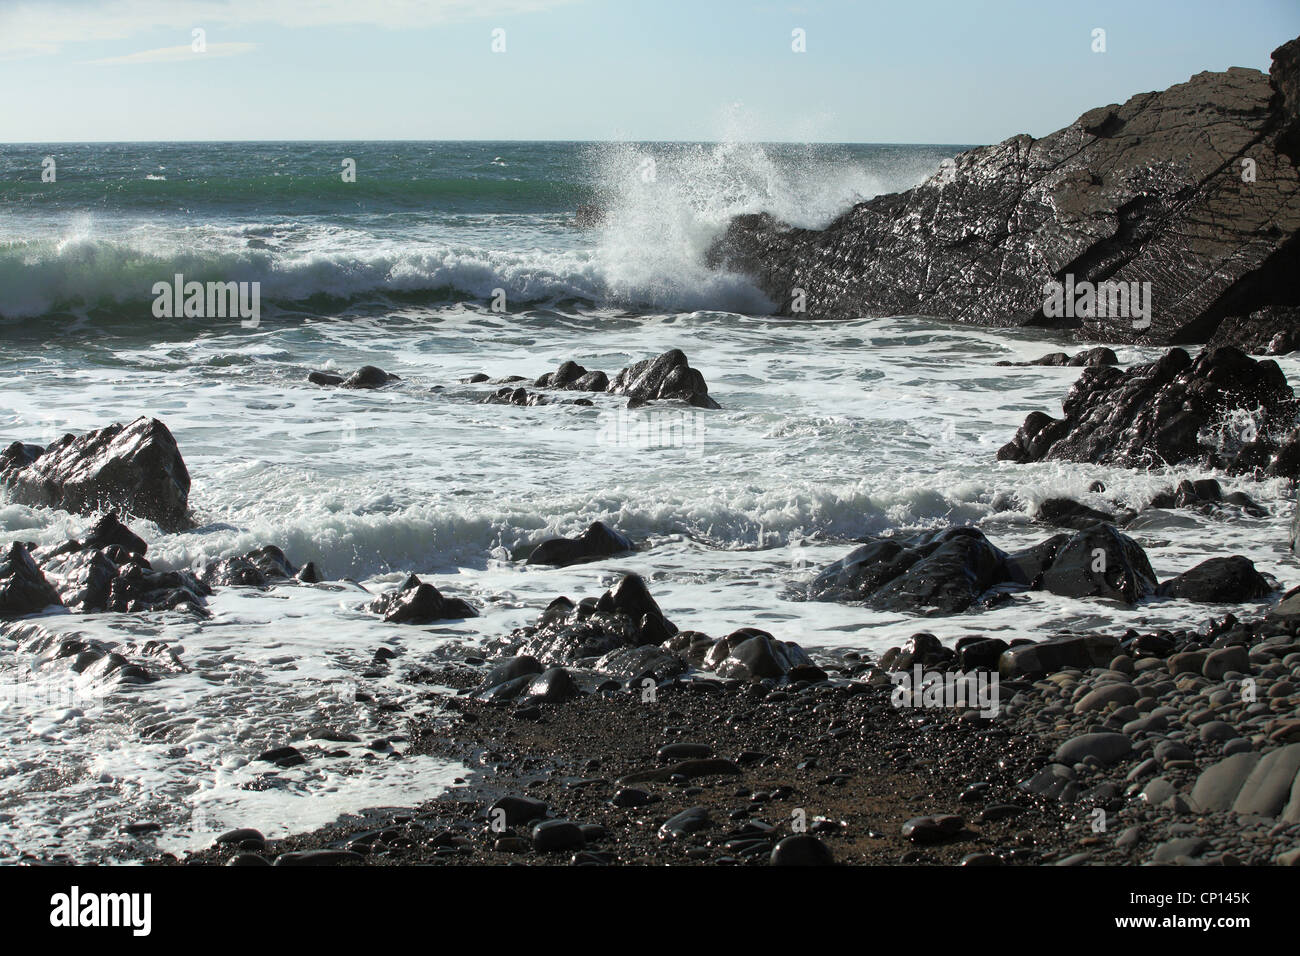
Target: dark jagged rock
{"x": 666, "y": 377}
{"x": 368, "y": 376}
{"x": 83, "y": 578}
{"x": 1228, "y": 580}
{"x": 1274, "y": 330}
{"x": 573, "y": 377}
{"x": 598, "y": 541}
{"x": 636, "y": 664}
{"x": 1154, "y": 190}
{"x": 417, "y": 602}
{"x": 1067, "y": 513}
{"x": 140, "y": 588}
{"x": 135, "y": 469}
{"x": 256, "y": 569}
{"x": 23, "y": 588}
{"x": 1206, "y": 496}
{"x": 515, "y": 396}
{"x": 950, "y": 571}
{"x": 108, "y": 530}
{"x": 751, "y": 654}
{"x": 1099, "y": 355}
{"x": 945, "y": 571}
{"x": 624, "y": 616}
{"x": 1172, "y": 410}
{"x": 1100, "y": 562}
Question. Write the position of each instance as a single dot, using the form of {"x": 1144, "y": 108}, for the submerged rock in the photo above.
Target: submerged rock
{"x": 136, "y": 469}
{"x": 598, "y": 541}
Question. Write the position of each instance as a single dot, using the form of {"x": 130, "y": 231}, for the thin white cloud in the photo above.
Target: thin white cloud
{"x": 42, "y": 27}
{"x": 175, "y": 54}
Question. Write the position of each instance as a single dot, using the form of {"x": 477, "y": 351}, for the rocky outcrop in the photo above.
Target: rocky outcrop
{"x": 1223, "y": 408}
{"x": 136, "y": 469}
{"x": 666, "y": 377}
{"x": 1193, "y": 190}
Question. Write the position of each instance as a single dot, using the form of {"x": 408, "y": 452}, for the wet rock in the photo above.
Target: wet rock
{"x": 1230, "y": 580}
{"x": 135, "y": 469}
{"x": 417, "y": 602}
{"x": 1101, "y": 562}
{"x": 685, "y": 823}
{"x": 636, "y": 664}
{"x": 513, "y": 811}
{"x": 944, "y": 572}
{"x": 553, "y": 836}
{"x": 667, "y": 377}
{"x": 552, "y": 686}
{"x": 23, "y": 588}
{"x": 1170, "y": 411}
{"x": 598, "y": 541}
{"x": 109, "y": 530}
{"x": 933, "y": 829}
{"x": 1067, "y": 513}
{"x": 624, "y": 616}
{"x": 368, "y": 376}
{"x": 802, "y": 850}
{"x": 84, "y": 579}
{"x": 1046, "y": 657}
{"x": 750, "y": 654}
{"x": 573, "y": 377}
{"x": 1106, "y": 747}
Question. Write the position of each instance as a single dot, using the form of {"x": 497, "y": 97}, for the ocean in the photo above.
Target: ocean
{"x": 441, "y": 261}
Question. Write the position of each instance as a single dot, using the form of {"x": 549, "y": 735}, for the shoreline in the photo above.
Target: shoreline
{"x": 838, "y": 762}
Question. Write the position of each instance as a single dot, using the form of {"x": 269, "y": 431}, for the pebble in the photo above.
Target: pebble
{"x": 802, "y": 850}
{"x": 933, "y": 829}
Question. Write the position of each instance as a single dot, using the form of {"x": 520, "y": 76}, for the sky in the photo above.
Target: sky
{"x": 907, "y": 71}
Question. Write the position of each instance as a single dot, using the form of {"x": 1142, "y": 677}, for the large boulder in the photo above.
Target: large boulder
{"x": 1100, "y": 562}
{"x": 1173, "y": 410}
{"x": 136, "y": 469}
{"x": 1193, "y": 190}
